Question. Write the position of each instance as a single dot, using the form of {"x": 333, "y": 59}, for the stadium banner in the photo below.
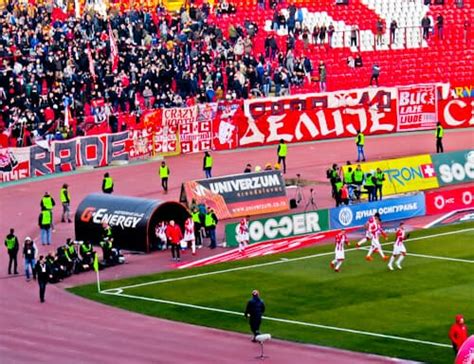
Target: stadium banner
{"x": 417, "y": 107}
{"x": 456, "y": 113}
{"x": 389, "y": 210}
{"x": 402, "y": 175}
{"x": 239, "y": 194}
{"x": 281, "y": 226}
{"x": 65, "y": 156}
{"x": 225, "y": 126}
{"x": 442, "y": 201}
{"x": 454, "y": 167}
{"x": 14, "y": 164}
{"x": 195, "y": 131}
{"x": 140, "y": 143}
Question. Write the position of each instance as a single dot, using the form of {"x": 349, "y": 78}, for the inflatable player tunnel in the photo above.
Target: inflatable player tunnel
{"x": 132, "y": 219}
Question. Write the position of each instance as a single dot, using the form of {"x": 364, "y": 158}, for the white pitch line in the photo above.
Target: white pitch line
{"x": 431, "y": 257}
{"x": 270, "y": 263}
{"x": 286, "y": 321}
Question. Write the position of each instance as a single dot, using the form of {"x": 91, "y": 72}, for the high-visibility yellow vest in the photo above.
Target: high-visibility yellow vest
{"x": 195, "y": 216}
{"x": 338, "y": 186}
{"x": 46, "y": 217}
{"x": 282, "y": 152}
{"x": 47, "y": 202}
{"x": 64, "y": 195}
{"x": 358, "y": 176}
{"x": 10, "y": 242}
{"x": 348, "y": 177}
{"x": 209, "y": 220}
{"x": 439, "y": 131}
{"x": 208, "y": 162}
{"x": 368, "y": 181}
{"x": 380, "y": 178}
{"x": 109, "y": 183}
{"x": 362, "y": 139}
{"x": 164, "y": 171}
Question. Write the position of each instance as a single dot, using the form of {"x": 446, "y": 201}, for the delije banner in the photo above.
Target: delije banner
{"x": 404, "y": 174}
{"x": 239, "y": 194}
{"x": 282, "y": 226}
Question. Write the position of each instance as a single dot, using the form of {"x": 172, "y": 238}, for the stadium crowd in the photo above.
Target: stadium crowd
{"x": 60, "y": 75}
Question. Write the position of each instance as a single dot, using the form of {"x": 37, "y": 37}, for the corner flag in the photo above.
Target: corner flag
{"x": 96, "y": 270}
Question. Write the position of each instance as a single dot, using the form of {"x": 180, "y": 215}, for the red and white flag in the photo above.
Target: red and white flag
{"x": 113, "y": 49}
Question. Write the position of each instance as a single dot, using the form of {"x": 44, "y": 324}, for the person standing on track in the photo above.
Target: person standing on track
{"x": 174, "y": 236}
{"x": 196, "y": 216}
{"x": 210, "y": 223}
{"x": 254, "y": 312}
{"x": 43, "y": 273}
{"x": 65, "y": 198}
{"x": 282, "y": 152}
{"x": 48, "y": 203}
{"x": 11, "y": 242}
{"x": 439, "y": 138}
{"x": 107, "y": 184}
{"x": 29, "y": 253}
{"x": 243, "y": 234}
{"x": 189, "y": 236}
{"x": 207, "y": 164}
{"x": 45, "y": 222}
{"x": 341, "y": 240}
{"x": 399, "y": 250}
{"x": 360, "y": 142}
{"x": 164, "y": 174}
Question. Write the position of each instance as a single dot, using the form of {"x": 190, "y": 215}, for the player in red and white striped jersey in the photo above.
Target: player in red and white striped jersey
{"x": 243, "y": 234}
{"x": 189, "y": 236}
{"x": 399, "y": 249}
{"x": 368, "y": 228}
{"x": 341, "y": 240}
{"x": 376, "y": 230}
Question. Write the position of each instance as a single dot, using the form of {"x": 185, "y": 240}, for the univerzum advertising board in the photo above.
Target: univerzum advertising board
{"x": 282, "y": 226}
{"x": 389, "y": 210}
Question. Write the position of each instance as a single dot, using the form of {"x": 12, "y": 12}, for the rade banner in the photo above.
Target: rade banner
{"x": 408, "y": 174}
{"x": 442, "y": 201}
{"x": 456, "y": 113}
{"x": 282, "y": 226}
{"x": 389, "y": 210}
{"x": 454, "y": 167}
{"x": 417, "y": 107}
{"x": 240, "y": 194}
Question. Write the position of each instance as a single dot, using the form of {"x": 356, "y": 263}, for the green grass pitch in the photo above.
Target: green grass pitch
{"x": 418, "y": 302}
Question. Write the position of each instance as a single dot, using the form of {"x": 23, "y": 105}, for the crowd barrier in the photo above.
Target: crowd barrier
{"x": 255, "y": 122}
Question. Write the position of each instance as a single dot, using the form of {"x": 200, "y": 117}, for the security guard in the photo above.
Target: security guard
{"x": 360, "y": 142}
{"x": 87, "y": 252}
{"x": 207, "y": 164}
{"x": 282, "y": 153}
{"x": 164, "y": 174}
{"x": 210, "y": 222}
{"x": 358, "y": 180}
{"x": 107, "y": 231}
{"x": 196, "y": 216}
{"x": 11, "y": 242}
{"x": 439, "y": 138}
{"x": 107, "y": 184}
{"x": 370, "y": 187}
{"x": 65, "y": 199}
{"x": 379, "y": 179}
{"x": 48, "y": 203}
{"x": 45, "y": 222}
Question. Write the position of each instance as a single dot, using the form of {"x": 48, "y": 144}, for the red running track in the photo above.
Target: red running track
{"x": 75, "y": 330}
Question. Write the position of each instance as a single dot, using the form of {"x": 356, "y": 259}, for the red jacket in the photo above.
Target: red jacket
{"x": 174, "y": 234}
{"x": 458, "y": 332}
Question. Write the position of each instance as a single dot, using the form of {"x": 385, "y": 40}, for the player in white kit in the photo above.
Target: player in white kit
{"x": 341, "y": 240}
{"x": 189, "y": 236}
{"x": 160, "y": 232}
{"x": 243, "y": 236}
{"x": 368, "y": 234}
{"x": 399, "y": 249}
{"x": 375, "y": 247}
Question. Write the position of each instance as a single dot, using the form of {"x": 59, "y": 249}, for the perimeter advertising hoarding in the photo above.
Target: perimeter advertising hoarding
{"x": 438, "y": 202}
{"x": 454, "y": 167}
{"x": 389, "y": 210}
{"x": 281, "y": 226}
{"x": 239, "y": 194}
{"x": 402, "y": 175}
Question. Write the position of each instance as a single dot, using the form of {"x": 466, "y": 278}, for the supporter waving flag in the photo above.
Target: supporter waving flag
{"x": 113, "y": 49}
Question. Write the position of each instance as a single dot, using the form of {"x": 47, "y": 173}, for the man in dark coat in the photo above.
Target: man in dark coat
{"x": 43, "y": 273}
{"x": 254, "y": 311}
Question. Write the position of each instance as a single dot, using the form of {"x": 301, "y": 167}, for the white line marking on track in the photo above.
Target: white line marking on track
{"x": 245, "y": 267}
{"x": 276, "y": 319}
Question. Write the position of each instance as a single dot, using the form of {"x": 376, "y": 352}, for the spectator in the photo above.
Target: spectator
{"x": 322, "y": 76}
{"x": 379, "y": 30}
{"x": 331, "y": 31}
{"x": 354, "y": 34}
{"x": 393, "y": 31}
{"x": 440, "y": 26}
{"x": 375, "y": 74}
{"x": 358, "y": 61}
{"x": 426, "y": 25}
